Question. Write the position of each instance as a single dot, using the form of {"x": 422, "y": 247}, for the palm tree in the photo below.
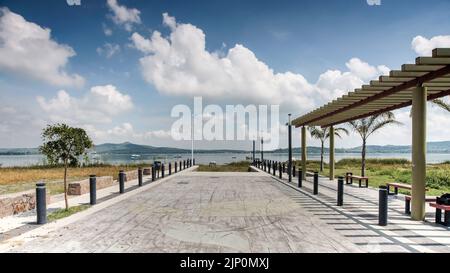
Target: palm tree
{"x": 367, "y": 126}
{"x": 442, "y": 104}
{"x": 323, "y": 134}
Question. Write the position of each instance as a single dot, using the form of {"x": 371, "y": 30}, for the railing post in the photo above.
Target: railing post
{"x": 41, "y": 203}
{"x": 382, "y": 206}
{"x": 340, "y": 191}
{"x": 121, "y": 181}
{"x": 280, "y": 172}
{"x": 316, "y": 183}
{"x": 300, "y": 180}
{"x": 140, "y": 177}
{"x": 92, "y": 189}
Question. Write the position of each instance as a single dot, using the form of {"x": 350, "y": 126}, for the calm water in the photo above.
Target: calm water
{"x": 205, "y": 158}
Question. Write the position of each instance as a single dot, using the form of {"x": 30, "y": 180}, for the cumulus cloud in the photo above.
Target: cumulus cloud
{"x": 108, "y": 50}
{"x": 98, "y": 106}
{"x": 180, "y": 65}
{"x": 27, "y": 49}
{"x": 124, "y": 16}
{"x": 124, "y": 132}
{"x": 423, "y": 46}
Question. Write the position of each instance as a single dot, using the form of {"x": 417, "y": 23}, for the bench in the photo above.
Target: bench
{"x": 439, "y": 209}
{"x": 397, "y": 186}
{"x": 309, "y": 173}
{"x": 357, "y": 177}
{"x": 212, "y": 164}
{"x": 428, "y": 199}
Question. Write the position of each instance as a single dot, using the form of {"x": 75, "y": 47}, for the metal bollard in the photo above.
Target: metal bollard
{"x": 41, "y": 203}
{"x": 184, "y": 164}
{"x": 340, "y": 191}
{"x": 293, "y": 170}
{"x": 140, "y": 177}
{"x": 265, "y": 166}
{"x": 170, "y": 168}
{"x": 300, "y": 178}
{"x": 284, "y": 167}
{"x": 269, "y": 166}
{"x": 193, "y": 161}
{"x": 274, "y": 169}
{"x": 280, "y": 172}
{"x": 92, "y": 189}
{"x": 153, "y": 173}
{"x": 121, "y": 181}
{"x": 175, "y": 167}
{"x": 383, "y": 206}
{"x": 316, "y": 183}
{"x": 163, "y": 169}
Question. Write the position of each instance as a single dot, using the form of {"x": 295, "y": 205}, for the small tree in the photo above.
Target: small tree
{"x": 323, "y": 134}
{"x": 64, "y": 144}
{"x": 367, "y": 126}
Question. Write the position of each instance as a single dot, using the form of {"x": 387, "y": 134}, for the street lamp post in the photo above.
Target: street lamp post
{"x": 290, "y": 148}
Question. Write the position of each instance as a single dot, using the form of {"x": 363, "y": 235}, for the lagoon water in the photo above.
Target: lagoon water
{"x": 205, "y": 158}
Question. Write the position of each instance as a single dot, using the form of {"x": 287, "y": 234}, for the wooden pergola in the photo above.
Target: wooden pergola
{"x": 414, "y": 84}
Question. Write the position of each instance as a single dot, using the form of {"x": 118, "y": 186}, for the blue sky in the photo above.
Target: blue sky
{"x": 313, "y": 51}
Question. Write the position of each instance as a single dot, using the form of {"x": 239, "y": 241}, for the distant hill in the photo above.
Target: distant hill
{"x": 131, "y": 148}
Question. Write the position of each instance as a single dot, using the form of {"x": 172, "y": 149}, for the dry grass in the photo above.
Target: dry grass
{"x": 19, "y": 179}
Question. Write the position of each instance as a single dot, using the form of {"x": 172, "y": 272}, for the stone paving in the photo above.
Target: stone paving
{"x": 236, "y": 212}
{"x": 198, "y": 212}
{"x": 357, "y": 220}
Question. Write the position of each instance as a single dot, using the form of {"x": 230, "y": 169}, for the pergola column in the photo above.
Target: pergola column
{"x": 419, "y": 127}
{"x": 331, "y": 165}
{"x": 303, "y": 152}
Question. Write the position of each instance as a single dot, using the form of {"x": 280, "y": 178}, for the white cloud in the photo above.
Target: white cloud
{"x": 124, "y": 132}
{"x": 423, "y": 46}
{"x": 27, "y": 49}
{"x": 124, "y": 16}
{"x": 106, "y": 30}
{"x": 98, "y": 106}
{"x": 179, "y": 65}
{"x": 108, "y": 50}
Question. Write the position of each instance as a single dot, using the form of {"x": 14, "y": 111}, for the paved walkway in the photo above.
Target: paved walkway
{"x": 357, "y": 220}
{"x": 234, "y": 212}
{"x": 195, "y": 212}
{"x": 18, "y": 224}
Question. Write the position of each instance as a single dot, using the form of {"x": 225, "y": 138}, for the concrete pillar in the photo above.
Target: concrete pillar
{"x": 419, "y": 149}
{"x": 331, "y": 164}
{"x": 303, "y": 152}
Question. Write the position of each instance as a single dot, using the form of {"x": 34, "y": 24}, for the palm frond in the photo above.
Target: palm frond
{"x": 442, "y": 104}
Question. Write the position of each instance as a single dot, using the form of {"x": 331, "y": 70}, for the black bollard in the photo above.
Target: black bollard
{"x": 269, "y": 166}
{"x": 316, "y": 183}
{"x": 41, "y": 203}
{"x": 284, "y": 167}
{"x": 121, "y": 181}
{"x": 265, "y": 168}
{"x": 92, "y": 189}
{"x": 280, "y": 171}
{"x": 184, "y": 164}
{"x": 163, "y": 169}
{"x": 293, "y": 170}
{"x": 340, "y": 191}
{"x": 274, "y": 169}
{"x": 140, "y": 177}
{"x": 170, "y": 168}
{"x": 175, "y": 167}
{"x": 193, "y": 161}
{"x": 153, "y": 172}
{"x": 383, "y": 206}
{"x": 300, "y": 178}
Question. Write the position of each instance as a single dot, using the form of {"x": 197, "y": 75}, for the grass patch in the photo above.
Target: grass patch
{"x": 382, "y": 171}
{"x": 242, "y": 166}
{"x": 15, "y": 179}
{"x": 61, "y": 213}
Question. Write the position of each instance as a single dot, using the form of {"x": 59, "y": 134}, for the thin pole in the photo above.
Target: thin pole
{"x": 290, "y": 148}
{"x": 262, "y": 149}
{"x": 192, "y": 138}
